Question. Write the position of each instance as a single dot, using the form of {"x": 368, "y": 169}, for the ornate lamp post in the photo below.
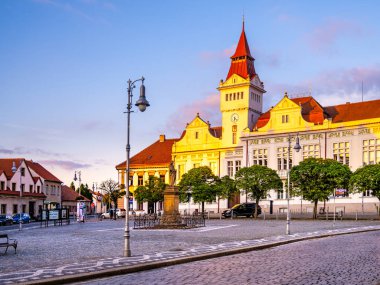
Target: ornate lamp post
{"x": 14, "y": 170}
{"x": 297, "y": 148}
{"x": 141, "y": 103}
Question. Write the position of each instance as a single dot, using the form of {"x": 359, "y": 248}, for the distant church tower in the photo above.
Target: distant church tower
{"x": 241, "y": 94}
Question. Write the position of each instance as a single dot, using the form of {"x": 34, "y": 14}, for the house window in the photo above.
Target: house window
{"x": 140, "y": 206}
{"x": 226, "y": 97}
{"x": 371, "y": 151}
{"x": 162, "y": 178}
{"x": 15, "y": 207}
{"x": 213, "y": 167}
{"x": 2, "y": 185}
{"x": 282, "y": 158}
{"x": 22, "y": 188}
{"x": 341, "y": 152}
{"x": 22, "y": 171}
{"x": 140, "y": 181}
{"x": 310, "y": 151}
{"x": 196, "y": 165}
{"x": 230, "y": 96}
{"x": 38, "y": 189}
{"x": 234, "y": 137}
{"x": 280, "y": 194}
{"x": 285, "y": 119}
{"x": 260, "y": 157}
{"x": 13, "y": 186}
{"x": 237, "y": 165}
{"x": 196, "y": 135}
{"x": 230, "y": 168}
{"x": 242, "y": 95}
{"x": 180, "y": 171}
{"x": 3, "y": 208}
{"x": 30, "y": 188}
{"x": 23, "y": 208}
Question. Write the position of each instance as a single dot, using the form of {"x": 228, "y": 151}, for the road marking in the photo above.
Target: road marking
{"x": 113, "y": 229}
{"x": 214, "y": 228}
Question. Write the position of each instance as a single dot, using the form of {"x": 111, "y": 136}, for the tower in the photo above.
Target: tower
{"x": 241, "y": 94}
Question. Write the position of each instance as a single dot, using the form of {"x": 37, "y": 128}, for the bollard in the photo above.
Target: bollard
{"x": 220, "y": 215}
{"x": 208, "y": 215}
{"x": 356, "y": 216}
{"x": 264, "y": 215}
{"x": 232, "y": 214}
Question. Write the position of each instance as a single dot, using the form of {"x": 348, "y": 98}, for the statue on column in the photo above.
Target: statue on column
{"x": 172, "y": 174}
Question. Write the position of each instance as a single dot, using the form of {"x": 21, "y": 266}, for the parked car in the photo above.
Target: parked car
{"x": 244, "y": 209}
{"x": 6, "y": 220}
{"x": 119, "y": 213}
{"x": 25, "y": 218}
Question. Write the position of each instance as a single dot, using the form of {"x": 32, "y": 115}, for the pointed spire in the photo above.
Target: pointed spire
{"x": 242, "y": 60}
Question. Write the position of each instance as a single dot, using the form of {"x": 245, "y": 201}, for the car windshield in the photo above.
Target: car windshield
{"x": 236, "y": 206}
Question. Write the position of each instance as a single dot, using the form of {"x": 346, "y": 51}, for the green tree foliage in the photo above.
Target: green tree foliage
{"x": 85, "y": 191}
{"x": 256, "y": 181}
{"x": 315, "y": 179}
{"x": 151, "y": 192}
{"x": 72, "y": 185}
{"x": 112, "y": 189}
{"x": 366, "y": 178}
{"x": 202, "y": 184}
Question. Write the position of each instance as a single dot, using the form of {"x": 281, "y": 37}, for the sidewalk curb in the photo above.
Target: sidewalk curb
{"x": 179, "y": 260}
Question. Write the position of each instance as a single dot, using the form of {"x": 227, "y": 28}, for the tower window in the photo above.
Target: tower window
{"x": 234, "y": 96}
{"x": 234, "y": 138}
{"x": 241, "y": 95}
{"x": 230, "y": 96}
{"x": 226, "y": 97}
{"x": 196, "y": 135}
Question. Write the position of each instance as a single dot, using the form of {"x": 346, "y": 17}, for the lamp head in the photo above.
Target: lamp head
{"x": 14, "y": 168}
{"x": 297, "y": 146}
{"x": 75, "y": 176}
{"x": 142, "y": 103}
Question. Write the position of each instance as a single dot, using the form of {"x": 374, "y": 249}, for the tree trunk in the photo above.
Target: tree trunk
{"x": 315, "y": 209}
{"x": 203, "y": 208}
{"x": 256, "y": 208}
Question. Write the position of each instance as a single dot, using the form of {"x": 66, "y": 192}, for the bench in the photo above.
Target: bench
{"x": 6, "y": 242}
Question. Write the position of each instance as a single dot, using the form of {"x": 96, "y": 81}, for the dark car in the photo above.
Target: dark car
{"x": 25, "y": 218}
{"x": 244, "y": 209}
{"x": 6, "y": 220}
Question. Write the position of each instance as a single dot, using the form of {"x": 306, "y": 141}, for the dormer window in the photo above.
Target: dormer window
{"x": 196, "y": 135}
{"x": 285, "y": 119}
{"x": 22, "y": 171}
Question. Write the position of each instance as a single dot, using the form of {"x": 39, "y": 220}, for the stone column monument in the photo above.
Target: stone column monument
{"x": 171, "y": 216}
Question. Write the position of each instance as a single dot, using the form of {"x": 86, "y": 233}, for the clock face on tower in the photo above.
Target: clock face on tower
{"x": 234, "y": 117}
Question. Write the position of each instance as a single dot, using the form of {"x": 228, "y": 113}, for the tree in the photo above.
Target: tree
{"x": 226, "y": 189}
{"x": 151, "y": 192}
{"x": 316, "y": 179}
{"x": 366, "y": 178}
{"x": 112, "y": 189}
{"x": 85, "y": 191}
{"x": 72, "y": 185}
{"x": 202, "y": 184}
{"x": 256, "y": 181}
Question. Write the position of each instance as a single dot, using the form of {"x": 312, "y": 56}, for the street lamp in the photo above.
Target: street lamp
{"x": 141, "y": 103}
{"x": 297, "y": 148}
{"x": 79, "y": 179}
{"x": 14, "y": 170}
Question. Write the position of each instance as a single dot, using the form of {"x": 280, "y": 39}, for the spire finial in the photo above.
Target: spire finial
{"x": 243, "y": 20}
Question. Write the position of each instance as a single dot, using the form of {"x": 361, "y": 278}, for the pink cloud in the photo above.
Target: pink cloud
{"x": 208, "y": 109}
{"x": 64, "y": 164}
{"x": 332, "y": 87}
{"x": 323, "y": 38}
{"x": 207, "y": 56}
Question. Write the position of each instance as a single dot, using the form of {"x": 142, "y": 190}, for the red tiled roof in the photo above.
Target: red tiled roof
{"x": 41, "y": 171}
{"x": 158, "y": 153}
{"x": 69, "y": 194}
{"x": 354, "y": 111}
{"x": 242, "y": 61}
{"x": 6, "y": 165}
{"x": 313, "y": 112}
{"x": 216, "y": 131}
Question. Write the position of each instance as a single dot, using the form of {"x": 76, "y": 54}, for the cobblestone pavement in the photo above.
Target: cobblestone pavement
{"x": 66, "y": 251}
{"x": 341, "y": 260}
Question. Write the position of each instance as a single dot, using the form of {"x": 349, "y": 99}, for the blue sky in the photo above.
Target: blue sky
{"x": 64, "y": 67}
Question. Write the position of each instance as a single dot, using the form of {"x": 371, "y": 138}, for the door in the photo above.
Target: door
{"x": 234, "y": 200}
{"x": 32, "y": 206}
{"x": 150, "y": 208}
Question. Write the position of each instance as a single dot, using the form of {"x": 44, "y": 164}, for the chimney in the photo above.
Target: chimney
{"x": 162, "y": 138}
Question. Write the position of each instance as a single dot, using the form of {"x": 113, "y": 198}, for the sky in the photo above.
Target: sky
{"x": 64, "y": 68}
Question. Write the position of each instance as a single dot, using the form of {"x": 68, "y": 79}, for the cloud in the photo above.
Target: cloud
{"x": 208, "y": 109}
{"x": 323, "y": 38}
{"x": 66, "y": 7}
{"x": 29, "y": 151}
{"x": 210, "y": 56}
{"x": 334, "y": 86}
{"x": 64, "y": 164}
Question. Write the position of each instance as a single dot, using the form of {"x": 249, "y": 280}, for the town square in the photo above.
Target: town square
{"x": 189, "y": 142}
